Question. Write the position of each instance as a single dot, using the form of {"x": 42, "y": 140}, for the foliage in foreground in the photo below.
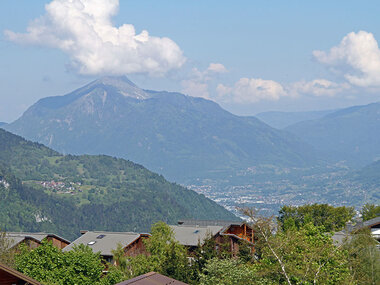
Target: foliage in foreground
{"x": 330, "y": 217}
{"x": 50, "y": 265}
{"x": 165, "y": 256}
{"x": 304, "y": 254}
{"x": 370, "y": 211}
{"x": 6, "y": 253}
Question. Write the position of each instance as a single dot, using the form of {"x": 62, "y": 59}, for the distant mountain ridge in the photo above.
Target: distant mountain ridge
{"x": 2, "y": 124}
{"x": 179, "y": 136}
{"x": 351, "y": 134}
{"x": 281, "y": 120}
{"x": 95, "y": 192}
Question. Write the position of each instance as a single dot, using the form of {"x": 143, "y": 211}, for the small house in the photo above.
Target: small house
{"x": 33, "y": 240}
{"x": 106, "y": 242}
{"x": 192, "y": 234}
{"x": 374, "y": 225}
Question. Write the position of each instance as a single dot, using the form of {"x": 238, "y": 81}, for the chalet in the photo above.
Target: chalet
{"x": 105, "y": 242}
{"x": 152, "y": 278}
{"x": 33, "y": 240}
{"x": 233, "y": 233}
{"x": 374, "y": 225}
{"x": 9, "y": 276}
{"x": 345, "y": 235}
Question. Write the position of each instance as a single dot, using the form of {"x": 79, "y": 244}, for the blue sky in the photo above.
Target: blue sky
{"x": 249, "y": 56}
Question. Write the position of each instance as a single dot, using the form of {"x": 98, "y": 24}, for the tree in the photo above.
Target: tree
{"x": 299, "y": 255}
{"x": 206, "y": 250}
{"x": 165, "y": 256}
{"x": 332, "y": 218}
{"x": 6, "y": 252}
{"x": 50, "y": 265}
{"x": 227, "y": 272}
{"x": 370, "y": 211}
{"x": 364, "y": 257}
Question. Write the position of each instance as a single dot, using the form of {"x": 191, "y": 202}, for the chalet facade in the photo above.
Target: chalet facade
{"x": 106, "y": 242}
{"x": 226, "y": 233}
{"x": 9, "y": 276}
{"x": 33, "y": 240}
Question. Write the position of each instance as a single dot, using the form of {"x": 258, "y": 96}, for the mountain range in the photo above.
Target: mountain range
{"x": 281, "y": 120}
{"x": 43, "y": 190}
{"x": 350, "y": 134}
{"x": 179, "y": 136}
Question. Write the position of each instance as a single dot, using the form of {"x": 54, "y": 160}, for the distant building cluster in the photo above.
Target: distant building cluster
{"x": 4, "y": 182}
{"x": 61, "y": 187}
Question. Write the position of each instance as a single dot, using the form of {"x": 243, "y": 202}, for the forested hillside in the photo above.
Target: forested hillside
{"x": 52, "y": 192}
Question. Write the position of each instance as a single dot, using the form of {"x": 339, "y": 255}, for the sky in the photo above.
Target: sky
{"x": 248, "y": 56}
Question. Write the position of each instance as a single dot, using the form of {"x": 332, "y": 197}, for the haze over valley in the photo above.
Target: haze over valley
{"x": 253, "y": 104}
{"x": 234, "y": 160}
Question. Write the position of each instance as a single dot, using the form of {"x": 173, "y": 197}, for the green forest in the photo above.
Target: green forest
{"x": 97, "y": 193}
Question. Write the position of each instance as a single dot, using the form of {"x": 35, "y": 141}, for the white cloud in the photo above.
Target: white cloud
{"x": 250, "y": 90}
{"x": 83, "y": 29}
{"x": 195, "y": 88}
{"x": 317, "y": 87}
{"x": 217, "y": 68}
{"x": 197, "y": 84}
{"x": 360, "y": 53}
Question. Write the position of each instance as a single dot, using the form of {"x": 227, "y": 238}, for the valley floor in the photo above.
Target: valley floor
{"x": 270, "y": 188}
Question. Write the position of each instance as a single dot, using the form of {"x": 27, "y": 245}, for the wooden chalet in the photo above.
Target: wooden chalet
{"x": 152, "y": 278}
{"x": 9, "y": 276}
{"x": 374, "y": 225}
{"x": 345, "y": 235}
{"x": 106, "y": 242}
{"x": 33, "y": 240}
{"x": 192, "y": 234}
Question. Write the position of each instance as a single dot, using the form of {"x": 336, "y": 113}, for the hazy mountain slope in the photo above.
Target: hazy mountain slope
{"x": 98, "y": 192}
{"x": 351, "y": 134}
{"x": 179, "y": 136}
{"x": 369, "y": 175}
{"x": 2, "y": 124}
{"x": 280, "y": 120}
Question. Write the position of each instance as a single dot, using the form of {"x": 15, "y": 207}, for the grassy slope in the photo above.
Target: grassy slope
{"x": 115, "y": 194}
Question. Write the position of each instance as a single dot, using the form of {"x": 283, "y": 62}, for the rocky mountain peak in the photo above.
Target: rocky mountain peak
{"x": 123, "y": 85}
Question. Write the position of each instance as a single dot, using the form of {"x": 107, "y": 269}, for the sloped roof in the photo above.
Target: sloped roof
{"x": 104, "y": 242}
{"x": 341, "y": 237}
{"x": 17, "y": 237}
{"x": 152, "y": 278}
{"x": 205, "y": 223}
{"x": 191, "y": 235}
{"x": 5, "y": 270}
{"x": 372, "y": 222}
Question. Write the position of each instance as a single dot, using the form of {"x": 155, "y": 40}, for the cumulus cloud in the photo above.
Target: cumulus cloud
{"x": 317, "y": 87}
{"x": 217, "y": 68}
{"x": 197, "y": 84}
{"x": 195, "y": 88}
{"x": 357, "y": 56}
{"x": 250, "y": 90}
{"x": 83, "y": 30}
